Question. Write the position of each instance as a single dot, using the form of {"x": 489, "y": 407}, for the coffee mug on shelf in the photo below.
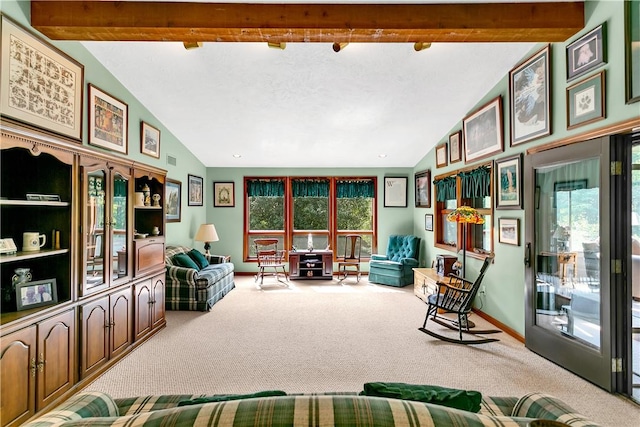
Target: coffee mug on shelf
{"x": 33, "y": 241}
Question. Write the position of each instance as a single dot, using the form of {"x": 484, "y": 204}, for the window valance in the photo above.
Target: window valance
{"x": 355, "y": 188}
{"x": 310, "y": 188}
{"x": 445, "y": 188}
{"x": 265, "y": 187}
{"x": 476, "y": 183}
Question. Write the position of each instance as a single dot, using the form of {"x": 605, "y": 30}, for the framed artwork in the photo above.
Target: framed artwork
{"x": 483, "y": 131}
{"x": 441, "y": 155}
{"x": 509, "y": 182}
{"x": 173, "y": 200}
{"x": 585, "y": 101}
{"x": 587, "y": 53}
{"x": 149, "y": 140}
{"x": 632, "y": 49}
{"x": 395, "y": 192}
{"x": 509, "y": 231}
{"x": 529, "y": 106}
{"x": 423, "y": 189}
{"x": 428, "y": 222}
{"x": 455, "y": 147}
{"x": 36, "y": 294}
{"x": 223, "y": 195}
{"x": 39, "y": 84}
{"x": 108, "y": 121}
{"x": 195, "y": 189}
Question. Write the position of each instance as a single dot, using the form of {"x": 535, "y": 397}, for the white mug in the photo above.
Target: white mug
{"x": 33, "y": 241}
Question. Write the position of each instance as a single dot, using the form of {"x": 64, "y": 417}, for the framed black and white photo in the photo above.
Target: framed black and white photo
{"x": 509, "y": 231}
{"x": 632, "y": 49}
{"x": 586, "y": 101}
{"x": 173, "y": 200}
{"x": 195, "y": 189}
{"x": 529, "y": 106}
{"x": 108, "y": 121}
{"x": 423, "y": 189}
{"x": 441, "y": 155}
{"x": 428, "y": 222}
{"x": 587, "y": 52}
{"x": 149, "y": 140}
{"x": 395, "y": 192}
{"x": 36, "y": 294}
{"x": 33, "y": 69}
{"x": 224, "y": 195}
{"x": 509, "y": 182}
{"x": 455, "y": 147}
{"x": 483, "y": 131}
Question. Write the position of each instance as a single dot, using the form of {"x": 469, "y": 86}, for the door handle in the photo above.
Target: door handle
{"x": 527, "y": 255}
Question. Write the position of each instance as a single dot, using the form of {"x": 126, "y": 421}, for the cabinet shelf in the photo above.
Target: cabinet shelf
{"x": 34, "y": 203}
{"x": 21, "y": 256}
{"x": 148, "y": 207}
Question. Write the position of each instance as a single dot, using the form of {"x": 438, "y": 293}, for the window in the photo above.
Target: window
{"x": 468, "y": 187}
{"x": 296, "y": 210}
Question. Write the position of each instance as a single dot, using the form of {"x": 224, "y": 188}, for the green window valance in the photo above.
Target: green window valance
{"x": 445, "y": 188}
{"x": 265, "y": 188}
{"x": 476, "y": 183}
{"x": 120, "y": 188}
{"x": 310, "y": 188}
{"x": 355, "y": 188}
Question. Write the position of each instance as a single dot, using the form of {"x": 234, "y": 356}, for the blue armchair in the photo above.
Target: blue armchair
{"x": 396, "y": 267}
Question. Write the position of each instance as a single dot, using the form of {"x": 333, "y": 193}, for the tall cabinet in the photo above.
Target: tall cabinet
{"x": 85, "y": 282}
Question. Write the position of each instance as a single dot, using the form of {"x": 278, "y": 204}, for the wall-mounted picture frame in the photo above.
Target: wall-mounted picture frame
{"x": 34, "y": 294}
{"x": 149, "y": 140}
{"x": 632, "y": 50}
{"x": 587, "y": 52}
{"x": 423, "y": 189}
{"x": 509, "y": 231}
{"x": 482, "y": 131}
{"x": 57, "y": 81}
{"x": 173, "y": 200}
{"x": 195, "y": 190}
{"x": 529, "y": 100}
{"x": 441, "y": 155}
{"x": 586, "y": 101}
{"x": 224, "y": 195}
{"x": 395, "y": 191}
{"x": 455, "y": 147}
{"x": 428, "y": 222}
{"x": 508, "y": 181}
{"x": 108, "y": 121}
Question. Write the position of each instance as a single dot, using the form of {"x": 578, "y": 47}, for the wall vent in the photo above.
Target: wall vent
{"x": 171, "y": 160}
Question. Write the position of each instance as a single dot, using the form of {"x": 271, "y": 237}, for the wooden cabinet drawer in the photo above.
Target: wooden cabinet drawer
{"x": 148, "y": 254}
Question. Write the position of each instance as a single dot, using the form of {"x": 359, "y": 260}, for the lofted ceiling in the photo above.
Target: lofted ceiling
{"x": 234, "y": 102}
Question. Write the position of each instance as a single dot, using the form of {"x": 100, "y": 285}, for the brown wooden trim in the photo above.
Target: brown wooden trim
{"x": 329, "y": 23}
{"x": 616, "y": 128}
{"x": 507, "y": 330}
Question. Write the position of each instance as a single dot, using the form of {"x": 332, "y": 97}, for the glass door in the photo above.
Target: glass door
{"x": 94, "y": 228}
{"x": 634, "y": 244}
{"x": 567, "y": 251}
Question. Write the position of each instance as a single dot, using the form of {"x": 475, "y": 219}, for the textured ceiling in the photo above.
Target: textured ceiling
{"x": 308, "y": 106}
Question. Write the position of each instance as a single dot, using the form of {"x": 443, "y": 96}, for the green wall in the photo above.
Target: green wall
{"x": 504, "y": 282}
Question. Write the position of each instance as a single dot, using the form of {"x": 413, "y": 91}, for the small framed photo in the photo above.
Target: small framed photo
{"x": 585, "y": 101}
{"x": 483, "y": 131}
{"x": 36, "y": 294}
{"x": 195, "y": 190}
{"x": 149, "y": 140}
{"x": 509, "y": 182}
{"x": 529, "y": 106}
{"x": 395, "y": 192}
{"x": 509, "y": 231}
{"x": 455, "y": 147}
{"x": 223, "y": 195}
{"x": 632, "y": 50}
{"x": 173, "y": 200}
{"x": 423, "y": 189}
{"x": 428, "y": 222}
{"x": 587, "y": 53}
{"x": 108, "y": 121}
{"x": 441, "y": 155}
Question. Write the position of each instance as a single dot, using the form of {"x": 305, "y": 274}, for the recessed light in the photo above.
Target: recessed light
{"x": 382, "y": 156}
{"x": 237, "y": 156}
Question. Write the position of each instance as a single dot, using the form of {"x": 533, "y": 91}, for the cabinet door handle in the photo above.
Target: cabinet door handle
{"x": 33, "y": 367}
{"x": 41, "y": 363}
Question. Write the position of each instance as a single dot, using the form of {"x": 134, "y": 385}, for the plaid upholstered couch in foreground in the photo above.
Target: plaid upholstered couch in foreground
{"x": 348, "y": 410}
{"x": 193, "y": 288}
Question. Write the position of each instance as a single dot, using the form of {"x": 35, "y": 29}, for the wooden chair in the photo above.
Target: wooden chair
{"x": 350, "y": 262}
{"x": 457, "y": 297}
{"x": 269, "y": 257}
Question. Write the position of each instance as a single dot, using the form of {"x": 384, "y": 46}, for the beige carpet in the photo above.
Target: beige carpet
{"x": 320, "y": 336}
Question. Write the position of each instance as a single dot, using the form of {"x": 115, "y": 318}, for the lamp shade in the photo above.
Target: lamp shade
{"x": 465, "y": 215}
{"x": 206, "y": 233}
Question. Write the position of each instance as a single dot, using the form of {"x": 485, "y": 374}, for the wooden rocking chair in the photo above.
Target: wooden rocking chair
{"x": 457, "y": 297}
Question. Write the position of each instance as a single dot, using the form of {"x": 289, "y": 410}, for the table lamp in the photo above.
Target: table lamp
{"x": 465, "y": 215}
{"x": 206, "y": 233}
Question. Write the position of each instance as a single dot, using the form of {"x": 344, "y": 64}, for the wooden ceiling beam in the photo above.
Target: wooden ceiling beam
{"x": 241, "y": 22}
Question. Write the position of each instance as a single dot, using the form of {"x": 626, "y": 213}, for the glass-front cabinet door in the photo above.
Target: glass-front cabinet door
{"x": 120, "y": 223}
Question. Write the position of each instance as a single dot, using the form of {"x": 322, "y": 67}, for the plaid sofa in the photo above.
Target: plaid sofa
{"x": 348, "y": 410}
{"x": 190, "y": 289}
